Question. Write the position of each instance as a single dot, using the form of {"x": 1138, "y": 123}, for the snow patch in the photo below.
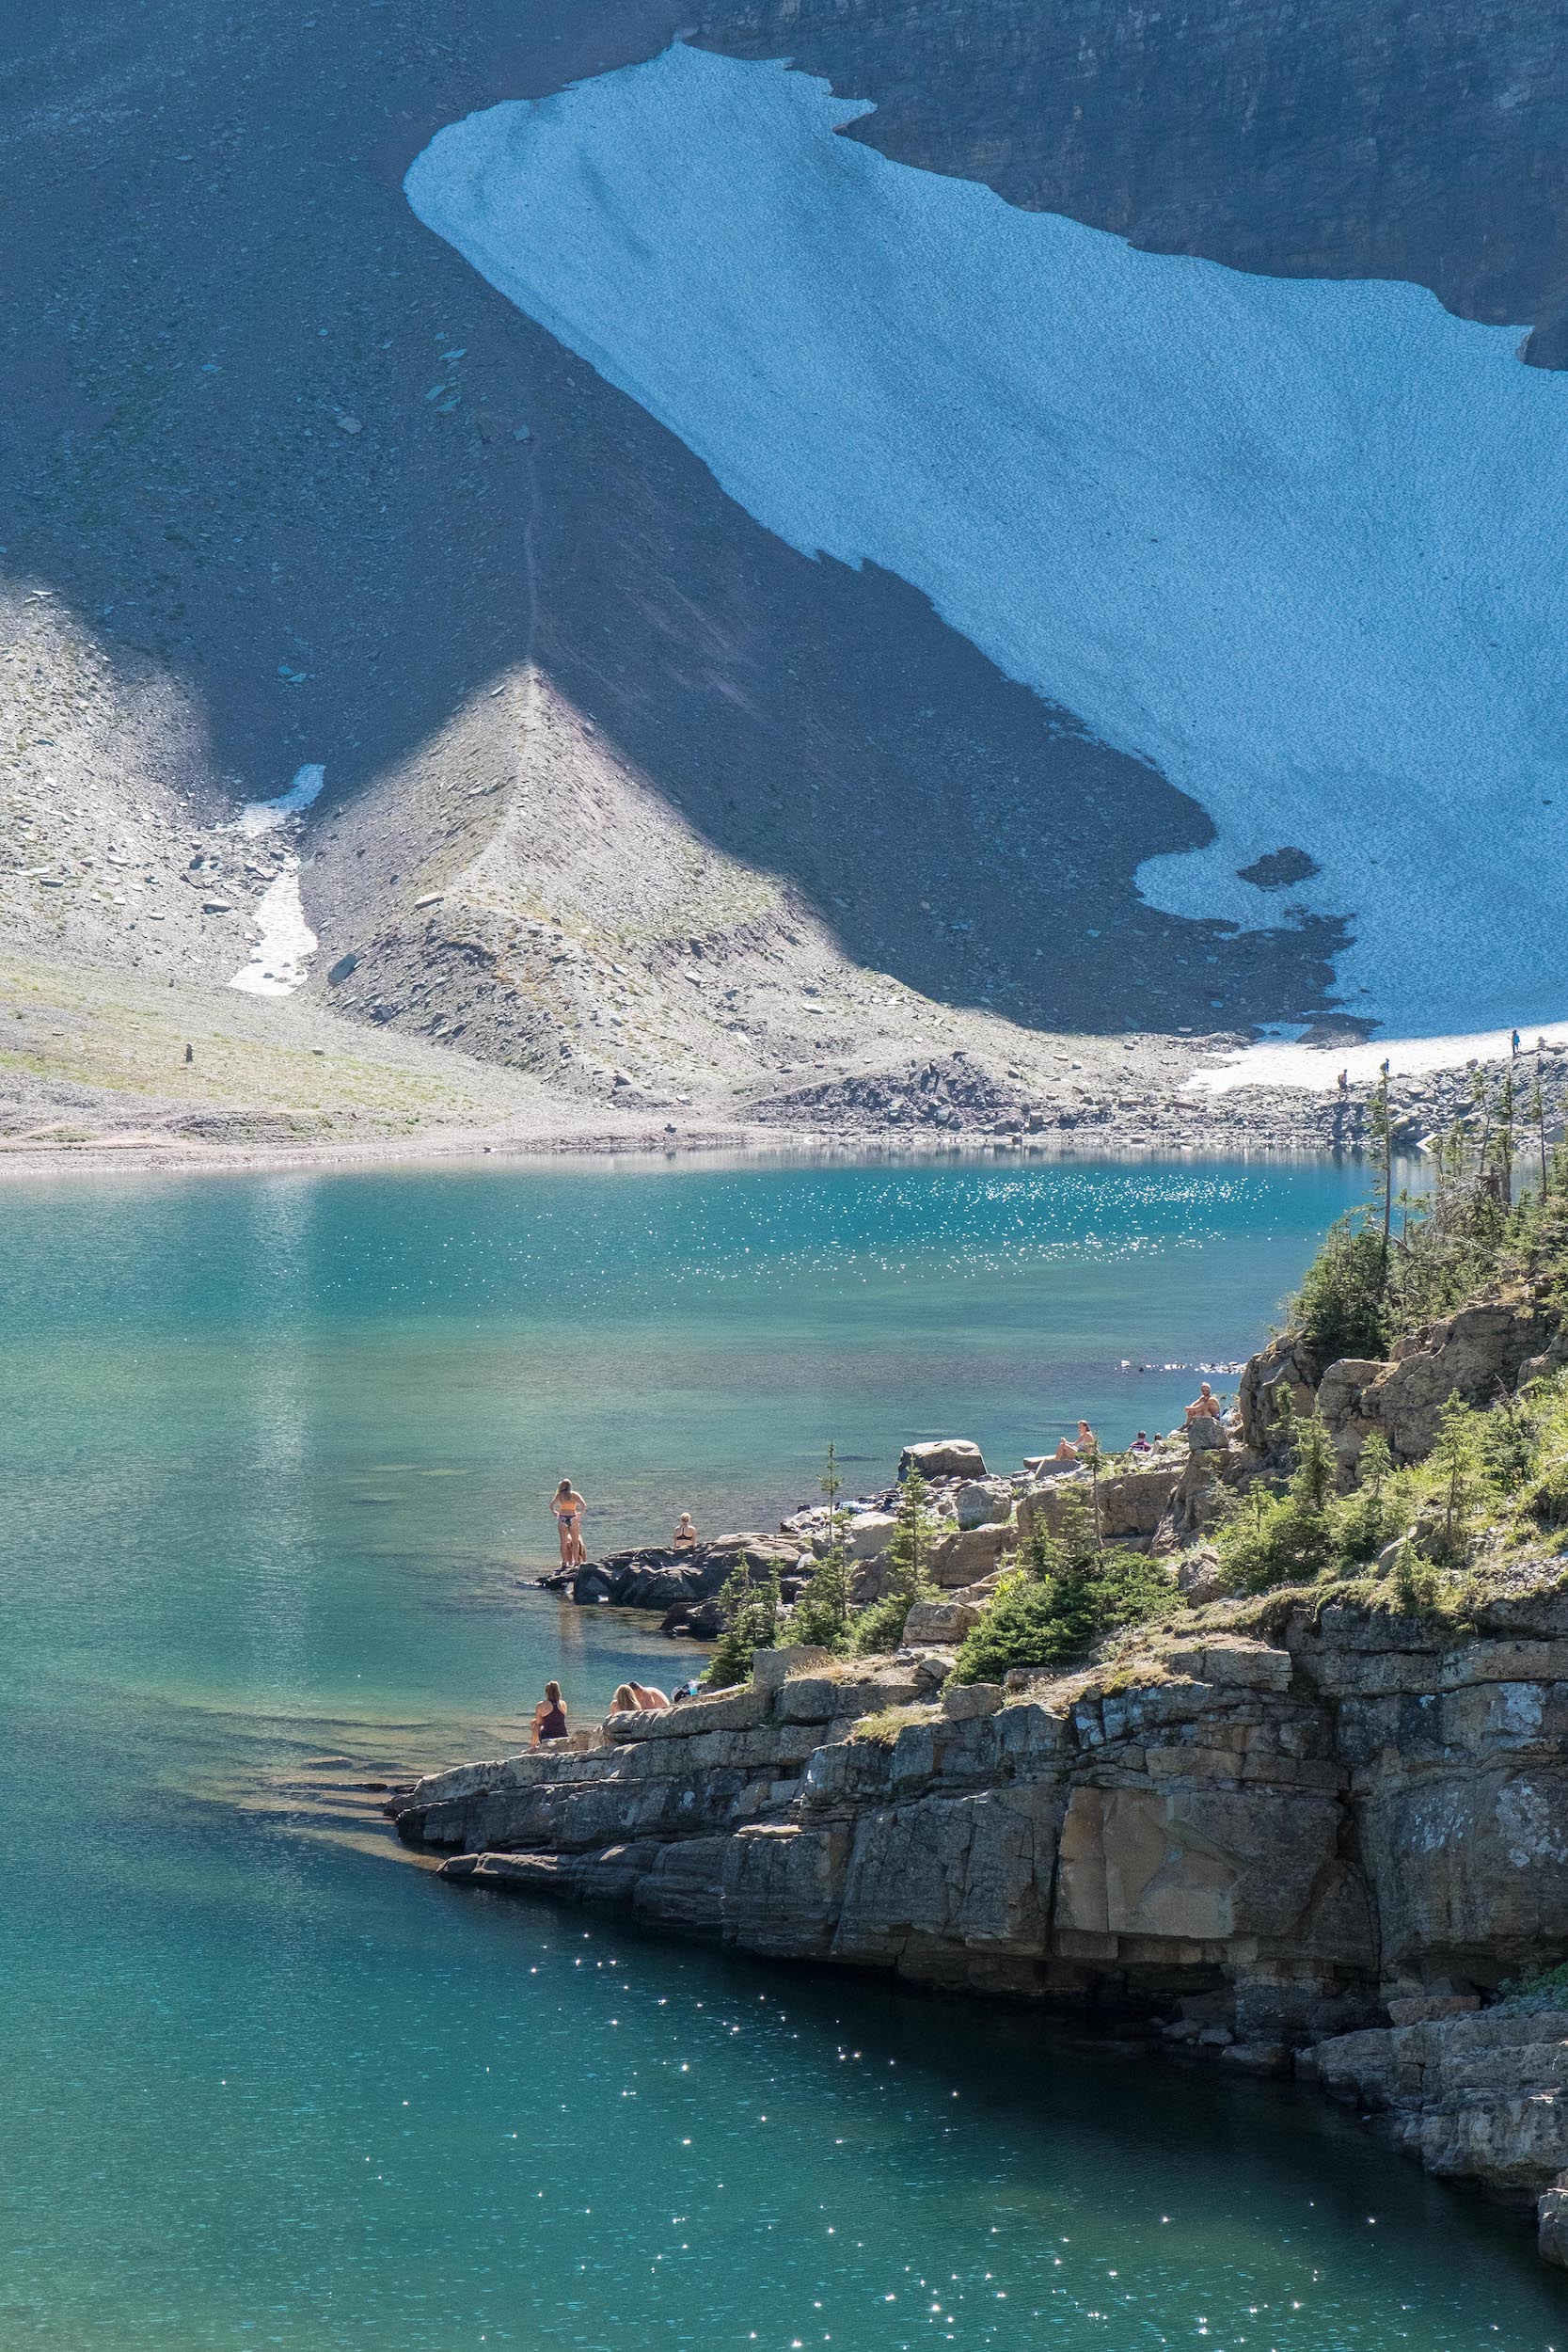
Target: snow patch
{"x": 1316, "y": 1069}
{"x": 280, "y": 962}
{"x": 1301, "y": 544}
{"x": 266, "y": 816}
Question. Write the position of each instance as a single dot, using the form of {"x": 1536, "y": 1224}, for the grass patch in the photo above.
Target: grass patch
{"x": 882, "y": 1730}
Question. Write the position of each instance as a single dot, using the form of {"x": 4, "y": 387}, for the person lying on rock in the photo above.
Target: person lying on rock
{"x": 1205, "y": 1404}
{"x": 549, "y": 1716}
{"x": 637, "y": 1698}
{"x": 685, "y": 1535}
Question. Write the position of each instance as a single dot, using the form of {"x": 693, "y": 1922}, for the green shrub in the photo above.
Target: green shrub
{"x": 1549, "y": 1986}
{"x": 821, "y": 1614}
{"x": 1265, "y": 1538}
{"x": 1545, "y": 1497}
{"x": 751, "y": 1607}
{"x": 1374, "y": 1514}
{"x": 1065, "y": 1596}
{"x": 1457, "y": 1475}
{"x": 1509, "y": 1442}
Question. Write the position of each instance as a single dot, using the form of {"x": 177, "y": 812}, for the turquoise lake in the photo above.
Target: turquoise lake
{"x": 277, "y": 1452}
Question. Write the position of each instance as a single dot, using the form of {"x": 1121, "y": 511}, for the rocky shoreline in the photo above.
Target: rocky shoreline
{"x": 1325, "y": 1842}
{"x": 1146, "y": 1503}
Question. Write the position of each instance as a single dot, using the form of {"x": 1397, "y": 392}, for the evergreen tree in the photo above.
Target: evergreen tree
{"x": 882, "y": 1626}
{"x": 1067, "y": 1593}
{"x": 750, "y": 1609}
{"x": 821, "y": 1614}
{"x": 1317, "y": 1473}
{"x": 1371, "y": 1515}
{"x": 1380, "y": 1127}
{"x": 1341, "y": 1304}
{"x": 1456, "y": 1458}
{"x": 1504, "y": 1162}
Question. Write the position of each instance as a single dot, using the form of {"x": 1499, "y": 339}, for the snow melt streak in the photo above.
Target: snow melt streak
{"x": 1301, "y": 545}
{"x": 279, "y": 963}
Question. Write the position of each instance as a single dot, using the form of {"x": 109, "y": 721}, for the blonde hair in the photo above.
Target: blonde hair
{"x": 552, "y": 1692}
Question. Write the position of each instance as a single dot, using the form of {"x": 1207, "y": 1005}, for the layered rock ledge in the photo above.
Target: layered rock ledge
{"x": 1264, "y": 1833}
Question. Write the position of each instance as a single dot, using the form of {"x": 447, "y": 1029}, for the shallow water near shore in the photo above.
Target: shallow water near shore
{"x": 278, "y": 1451}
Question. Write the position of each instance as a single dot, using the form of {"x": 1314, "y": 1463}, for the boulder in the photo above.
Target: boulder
{"x": 1198, "y": 1577}
{"x": 868, "y": 1534}
{"x": 937, "y": 1621}
{"x": 771, "y": 1668}
{"x": 701, "y": 1620}
{"x": 655, "y": 1577}
{"x": 974, "y": 1552}
{"x": 943, "y": 1457}
{"x": 1052, "y": 1499}
{"x": 983, "y": 1502}
{"x": 962, "y": 1701}
{"x": 868, "y": 1578}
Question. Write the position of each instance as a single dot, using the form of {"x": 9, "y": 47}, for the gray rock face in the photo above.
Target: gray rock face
{"x": 868, "y": 1534}
{"x": 1478, "y": 1354}
{"x": 1474, "y": 2097}
{"x": 930, "y": 1623}
{"x": 1365, "y": 1818}
{"x": 1281, "y": 1378}
{"x": 972, "y": 1554}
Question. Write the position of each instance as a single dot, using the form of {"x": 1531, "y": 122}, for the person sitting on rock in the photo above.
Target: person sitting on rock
{"x": 549, "y": 1716}
{"x": 1078, "y": 1449}
{"x": 685, "y": 1535}
{"x": 1140, "y": 1444}
{"x": 1204, "y": 1406}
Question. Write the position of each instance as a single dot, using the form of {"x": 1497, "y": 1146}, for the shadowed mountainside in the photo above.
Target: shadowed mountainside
{"x": 263, "y": 431}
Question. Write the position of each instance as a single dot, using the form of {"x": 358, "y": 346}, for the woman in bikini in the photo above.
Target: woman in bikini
{"x": 568, "y": 1507}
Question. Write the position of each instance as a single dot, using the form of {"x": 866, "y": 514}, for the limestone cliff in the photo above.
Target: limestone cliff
{"x": 1260, "y": 1830}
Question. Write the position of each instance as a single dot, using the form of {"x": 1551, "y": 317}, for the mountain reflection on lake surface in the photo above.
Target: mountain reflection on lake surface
{"x": 278, "y": 1450}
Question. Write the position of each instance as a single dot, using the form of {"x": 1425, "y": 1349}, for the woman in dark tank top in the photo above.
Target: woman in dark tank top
{"x": 549, "y": 1716}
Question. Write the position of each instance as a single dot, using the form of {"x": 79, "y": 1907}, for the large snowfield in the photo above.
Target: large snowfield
{"x": 1301, "y": 545}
